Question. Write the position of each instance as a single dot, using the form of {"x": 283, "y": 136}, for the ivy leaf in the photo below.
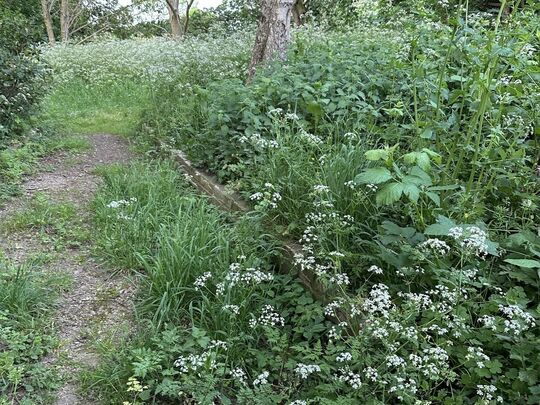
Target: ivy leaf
{"x": 374, "y": 175}
{"x": 389, "y": 194}
{"x": 527, "y": 263}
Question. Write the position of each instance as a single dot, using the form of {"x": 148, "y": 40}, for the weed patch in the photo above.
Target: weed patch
{"x": 27, "y": 297}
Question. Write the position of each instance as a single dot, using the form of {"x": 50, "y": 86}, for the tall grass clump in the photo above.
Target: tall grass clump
{"x": 208, "y": 297}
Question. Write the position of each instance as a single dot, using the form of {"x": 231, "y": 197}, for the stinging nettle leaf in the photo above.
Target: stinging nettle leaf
{"x": 375, "y": 175}
{"x": 389, "y": 194}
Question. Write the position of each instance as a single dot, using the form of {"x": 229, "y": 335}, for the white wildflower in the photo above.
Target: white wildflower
{"x": 262, "y": 379}
{"x": 344, "y": 357}
{"x": 200, "y": 281}
{"x": 234, "y": 309}
{"x": 268, "y": 317}
{"x": 438, "y": 246}
{"x": 305, "y": 370}
{"x": 375, "y": 270}
{"x": 348, "y": 377}
{"x": 340, "y": 279}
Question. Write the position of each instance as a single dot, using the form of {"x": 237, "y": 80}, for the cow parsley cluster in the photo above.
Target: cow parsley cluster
{"x": 267, "y": 198}
{"x": 517, "y": 320}
{"x": 471, "y": 239}
{"x": 348, "y": 377}
{"x": 200, "y": 282}
{"x": 268, "y": 317}
{"x": 487, "y": 393}
{"x": 435, "y": 245}
{"x": 305, "y": 370}
{"x": 234, "y": 309}
{"x": 194, "y": 362}
{"x": 246, "y": 276}
{"x": 262, "y": 379}
{"x": 344, "y": 357}
{"x": 121, "y": 203}
{"x": 379, "y": 301}
{"x": 477, "y": 355}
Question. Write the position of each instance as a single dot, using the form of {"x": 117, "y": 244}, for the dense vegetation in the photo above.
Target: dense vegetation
{"x": 401, "y": 153}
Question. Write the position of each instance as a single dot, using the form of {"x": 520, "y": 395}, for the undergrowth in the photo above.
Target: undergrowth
{"x": 27, "y": 337}
{"x": 403, "y": 156}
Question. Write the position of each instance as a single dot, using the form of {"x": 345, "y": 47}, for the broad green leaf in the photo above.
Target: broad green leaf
{"x": 389, "y": 194}
{"x": 376, "y": 154}
{"x": 527, "y": 263}
{"x": 427, "y": 134}
{"x": 440, "y": 228}
{"x": 423, "y": 161}
{"x": 433, "y": 155}
{"x": 411, "y": 191}
{"x": 375, "y": 175}
{"x": 410, "y": 158}
{"x": 422, "y": 175}
{"x": 434, "y": 197}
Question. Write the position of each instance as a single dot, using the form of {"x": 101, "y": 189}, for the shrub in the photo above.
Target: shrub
{"x": 21, "y": 73}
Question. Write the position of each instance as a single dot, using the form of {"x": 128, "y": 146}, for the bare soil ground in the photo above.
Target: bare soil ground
{"x": 98, "y": 305}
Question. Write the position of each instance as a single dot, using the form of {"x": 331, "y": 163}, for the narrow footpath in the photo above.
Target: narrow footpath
{"x": 98, "y": 305}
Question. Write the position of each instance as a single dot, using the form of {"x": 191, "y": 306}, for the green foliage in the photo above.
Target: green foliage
{"x": 21, "y": 73}
{"x": 105, "y": 86}
{"x": 56, "y": 225}
{"x": 388, "y": 155}
{"x": 404, "y": 160}
{"x": 27, "y": 295}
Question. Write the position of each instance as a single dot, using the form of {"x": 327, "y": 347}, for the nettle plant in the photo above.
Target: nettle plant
{"x": 409, "y": 175}
{"x": 434, "y": 319}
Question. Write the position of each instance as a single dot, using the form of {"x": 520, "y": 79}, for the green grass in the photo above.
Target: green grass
{"x": 22, "y": 159}
{"x": 167, "y": 232}
{"x": 79, "y": 109}
{"x": 56, "y": 224}
{"x": 27, "y": 298}
{"x": 169, "y": 235}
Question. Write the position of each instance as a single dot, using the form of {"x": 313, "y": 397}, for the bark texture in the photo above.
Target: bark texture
{"x": 273, "y": 33}
{"x": 46, "y": 11}
{"x": 65, "y": 20}
{"x": 174, "y": 18}
{"x": 186, "y": 20}
{"x": 299, "y": 10}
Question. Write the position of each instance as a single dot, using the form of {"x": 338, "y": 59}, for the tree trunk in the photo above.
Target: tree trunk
{"x": 299, "y": 10}
{"x": 174, "y": 18}
{"x": 273, "y": 33}
{"x": 48, "y": 22}
{"x": 186, "y": 22}
{"x": 64, "y": 20}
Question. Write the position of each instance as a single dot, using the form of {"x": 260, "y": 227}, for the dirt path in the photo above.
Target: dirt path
{"x": 97, "y": 305}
